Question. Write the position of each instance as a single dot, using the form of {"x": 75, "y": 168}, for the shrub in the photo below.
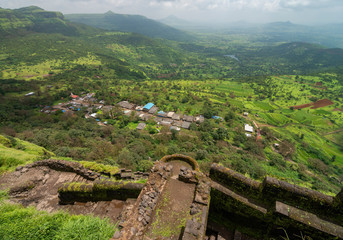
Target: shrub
{"x": 318, "y": 165}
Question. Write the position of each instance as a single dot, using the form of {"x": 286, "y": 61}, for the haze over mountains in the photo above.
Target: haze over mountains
{"x": 330, "y": 35}
{"x": 172, "y": 27}
{"x": 130, "y": 23}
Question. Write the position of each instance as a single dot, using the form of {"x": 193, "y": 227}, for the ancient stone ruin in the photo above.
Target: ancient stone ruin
{"x": 177, "y": 201}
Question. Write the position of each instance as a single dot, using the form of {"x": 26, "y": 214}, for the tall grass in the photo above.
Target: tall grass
{"x": 17, "y": 222}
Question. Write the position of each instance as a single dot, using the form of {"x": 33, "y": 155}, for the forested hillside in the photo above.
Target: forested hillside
{"x": 130, "y": 23}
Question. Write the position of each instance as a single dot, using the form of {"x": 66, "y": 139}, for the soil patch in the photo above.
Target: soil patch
{"x": 322, "y": 103}
{"x": 318, "y": 104}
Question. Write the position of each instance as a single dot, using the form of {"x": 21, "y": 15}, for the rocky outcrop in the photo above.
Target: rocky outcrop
{"x": 64, "y": 166}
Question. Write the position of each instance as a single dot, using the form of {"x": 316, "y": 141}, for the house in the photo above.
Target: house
{"x": 276, "y": 145}
{"x": 89, "y": 95}
{"x": 176, "y": 117}
{"x": 245, "y": 114}
{"x": 153, "y": 110}
{"x": 161, "y": 114}
{"x": 170, "y": 114}
{"x": 165, "y": 123}
{"x": 175, "y": 128}
{"x": 248, "y": 128}
{"x": 46, "y": 108}
{"x": 127, "y": 112}
{"x": 141, "y": 126}
{"x": 178, "y": 123}
{"x": 73, "y": 96}
{"x": 107, "y": 109}
{"x": 248, "y": 134}
{"x": 147, "y": 107}
{"x": 126, "y": 104}
{"x": 29, "y": 94}
{"x": 139, "y": 108}
{"x": 186, "y": 125}
{"x": 199, "y": 119}
{"x": 158, "y": 119}
{"x": 188, "y": 118}
{"x": 144, "y": 117}
{"x": 93, "y": 115}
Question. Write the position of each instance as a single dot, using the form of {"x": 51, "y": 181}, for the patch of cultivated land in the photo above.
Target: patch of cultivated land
{"x": 172, "y": 211}
{"x": 317, "y": 104}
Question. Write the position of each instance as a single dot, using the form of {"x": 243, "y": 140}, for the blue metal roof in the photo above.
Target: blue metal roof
{"x": 148, "y": 106}
{"x": 217, "y": 117}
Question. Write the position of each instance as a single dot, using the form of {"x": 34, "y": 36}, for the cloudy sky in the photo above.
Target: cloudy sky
{"x": 297, "y": 11}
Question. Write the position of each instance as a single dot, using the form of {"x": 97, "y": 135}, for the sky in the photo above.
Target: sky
{"x": 216, "y": 11}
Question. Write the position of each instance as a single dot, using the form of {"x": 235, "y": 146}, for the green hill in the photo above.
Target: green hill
{"x": 130, "y": 23}
{"x": 15, "y": 152}
{"x": 34, "y": 19}
{"x": 287, "y": 58}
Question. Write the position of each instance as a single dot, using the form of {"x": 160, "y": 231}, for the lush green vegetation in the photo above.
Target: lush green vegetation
{"x": 223, "y": 75}
{"x": 17, "y": 222}
{"x": 15, "y": 152}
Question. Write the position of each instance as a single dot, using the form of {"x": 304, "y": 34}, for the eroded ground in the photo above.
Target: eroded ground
{"x": 38, "y": 186}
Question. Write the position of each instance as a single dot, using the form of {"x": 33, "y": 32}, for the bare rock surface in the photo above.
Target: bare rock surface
{"x": 37, "y": 185}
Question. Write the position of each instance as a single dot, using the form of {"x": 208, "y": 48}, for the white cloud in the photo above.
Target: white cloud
{"x": 235, "y": 10}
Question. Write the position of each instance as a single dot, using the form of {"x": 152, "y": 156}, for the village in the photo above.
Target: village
{"x": 175, "y": 121}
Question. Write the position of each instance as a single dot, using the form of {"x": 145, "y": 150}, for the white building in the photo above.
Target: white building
{"x": 248, "y": 128}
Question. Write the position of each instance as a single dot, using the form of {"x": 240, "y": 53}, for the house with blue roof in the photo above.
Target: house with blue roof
{"x": 148, "y": 106}
{"x": 161, "y": 114}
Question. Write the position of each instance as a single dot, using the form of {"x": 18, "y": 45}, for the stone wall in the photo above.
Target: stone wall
{"x": 103, "y": 189}
{"x": 235, "y": 180}
{"x": 182, "y": 157}
{"x": 139, "y": 216}
{"x": 274, "y": 203}
{"x": 195, "y": 228}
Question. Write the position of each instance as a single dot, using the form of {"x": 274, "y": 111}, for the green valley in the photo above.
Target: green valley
{"x": 80, "y": 93}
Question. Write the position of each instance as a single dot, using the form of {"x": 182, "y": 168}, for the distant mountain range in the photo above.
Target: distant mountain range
{"x": 130, "y": 23}
{"x": 329, "y": 35}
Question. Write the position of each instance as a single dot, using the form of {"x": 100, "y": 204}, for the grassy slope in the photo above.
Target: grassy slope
{"x": 15, "y": 152}
{"x": 28, "y": 223}
{"x": 17, "y": 222}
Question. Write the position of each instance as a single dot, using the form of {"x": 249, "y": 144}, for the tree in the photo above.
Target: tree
{"x": 221, "y": 134}
{"x": 201, "y": 154}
